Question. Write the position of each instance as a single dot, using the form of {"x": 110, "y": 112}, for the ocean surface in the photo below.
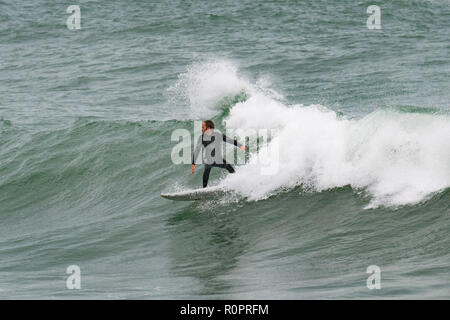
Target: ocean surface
{"x": 361, "y": 118}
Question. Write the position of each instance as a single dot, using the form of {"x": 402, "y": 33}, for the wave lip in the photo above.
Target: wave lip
{"x": 204, "y": 84}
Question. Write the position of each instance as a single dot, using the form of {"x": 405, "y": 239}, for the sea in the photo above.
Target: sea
{"x": 343, "y": 191}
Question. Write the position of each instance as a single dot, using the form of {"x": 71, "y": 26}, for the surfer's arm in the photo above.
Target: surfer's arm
{"x": 197, "y": 151}
{"x": 233, "y": 141}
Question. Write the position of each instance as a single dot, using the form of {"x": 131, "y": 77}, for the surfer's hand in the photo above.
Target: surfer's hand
{"x": 193, "y": 168}
{"x": 242, "y": 148}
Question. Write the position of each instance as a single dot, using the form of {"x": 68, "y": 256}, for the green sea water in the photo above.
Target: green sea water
{"x": 362, "y": 116}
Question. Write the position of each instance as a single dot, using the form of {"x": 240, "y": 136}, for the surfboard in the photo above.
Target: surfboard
{"x": 196, "y": 194}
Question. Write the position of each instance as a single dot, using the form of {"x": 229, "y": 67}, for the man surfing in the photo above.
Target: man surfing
{"x": 212, "y": 142}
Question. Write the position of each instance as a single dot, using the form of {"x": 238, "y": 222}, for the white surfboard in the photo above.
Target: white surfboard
{"x": 196, "y": 194}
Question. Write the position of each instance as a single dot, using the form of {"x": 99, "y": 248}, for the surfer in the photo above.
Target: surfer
{"x": 211, "y": 141}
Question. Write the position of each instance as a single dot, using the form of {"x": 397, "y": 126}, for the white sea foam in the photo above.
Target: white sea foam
{"x": 397, "y": 158}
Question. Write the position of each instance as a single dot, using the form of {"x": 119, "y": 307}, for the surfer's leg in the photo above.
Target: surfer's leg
{"x": 230, "y": 168}
{"x": 227, "y": 166}
{"x": 206, "y": 175}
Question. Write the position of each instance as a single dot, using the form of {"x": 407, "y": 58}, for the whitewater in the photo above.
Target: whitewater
{"x": 394, "y": 156}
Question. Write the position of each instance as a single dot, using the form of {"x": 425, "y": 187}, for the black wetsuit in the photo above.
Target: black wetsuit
{"x": 213, "y": 144}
